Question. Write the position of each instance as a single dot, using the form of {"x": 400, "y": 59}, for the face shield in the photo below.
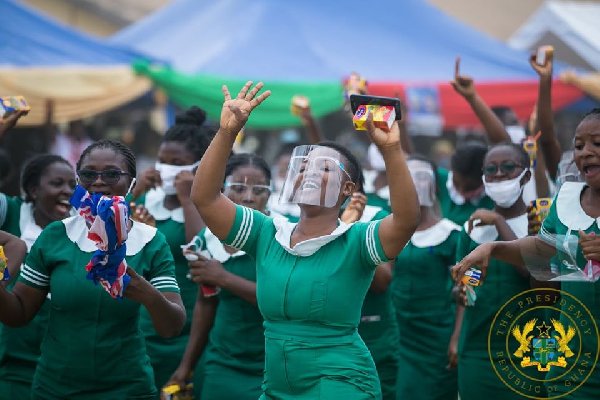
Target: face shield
{"x": 567, "y": 170}
{"x": 424, "y": 179}
{"x": 245, "y": 190}
{"x": 315, "y": 176}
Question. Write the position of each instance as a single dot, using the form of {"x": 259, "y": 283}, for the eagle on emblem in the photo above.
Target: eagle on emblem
{"x": 522, "y": 338}
{"x": 563, "y": 338}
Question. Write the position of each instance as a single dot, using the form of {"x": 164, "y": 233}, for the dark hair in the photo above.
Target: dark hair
{"x": 33, "y": 170}
{"x": 468, "y": 158}
{"x": 118, "y": 148}
{"x": 352, "y": 166}
{"x": 500, "y": 110}
{"x": 594, "y": 113}
{"x": 190, "y": 130}
{"x": 245, "y": 159}
{"x": 434, "y": 168}
{"x": 286, "y": 149}
{"x": 524, "y": 157}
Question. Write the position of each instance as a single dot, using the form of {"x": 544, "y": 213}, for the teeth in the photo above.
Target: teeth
{"x": 310, "y": 185}
{"x": 65, "y": 203}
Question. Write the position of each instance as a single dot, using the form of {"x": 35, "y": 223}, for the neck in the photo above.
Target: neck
{"x": 41, "y": 220}
{"x": 171, "y": 202}
{"x": 316, "y": 221}
{"x": 428, "y": 218}
{"x": 516, "y": 210}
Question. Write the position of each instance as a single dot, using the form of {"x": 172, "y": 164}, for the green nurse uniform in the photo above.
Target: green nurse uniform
{"x": 567, "y": 217}
{"x": 234, "y": 359}
{"x": 166, "y": 353}
{"x": 289, "y": 211}
{"x": 476, "y": 377}
{"x": 380, "y": 199}
{"x": 459, "y": 214}
{"x": 93, "y": 347}
{"x": 378, "y": 326}
{"x": 311, "y": 297}
{"x": 20, "y": 347}
{"x": 425, "y": 311}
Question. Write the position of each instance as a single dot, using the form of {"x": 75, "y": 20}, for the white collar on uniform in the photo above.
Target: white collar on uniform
{"x": 155, "y": 205}
{"x": 29, "y": 229}
{"x": 216, "y": 248}
{"x": 308, "y": 247}
{"x": 435, "y": 234}
{"x": 77, "y": 230}
{"x": 369, "y": 213}
{"x": 568, "y": 207}
{"x": 489, "y": 233}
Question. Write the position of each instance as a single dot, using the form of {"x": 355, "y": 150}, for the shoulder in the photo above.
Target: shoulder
{"x": 144, "y": 236}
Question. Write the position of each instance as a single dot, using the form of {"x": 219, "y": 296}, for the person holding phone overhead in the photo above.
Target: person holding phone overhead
{"x": 312, "y": 277}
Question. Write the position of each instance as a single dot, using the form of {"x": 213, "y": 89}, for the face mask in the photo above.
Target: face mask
{"x": 424, "y": 181}
{"x": 455, "y": 196}
{"x": 169, "y": 172}
{"x": 505, "y": 193}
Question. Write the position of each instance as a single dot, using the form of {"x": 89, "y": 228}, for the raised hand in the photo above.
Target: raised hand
{"x": 235, "y": 112}
{"x": 139, "y": 213}
{"x": 183, "y": 185}
{"x": 462, "y": 84}
{"x": 590, "y": 246}
{"x": 544, "y": 71}
{"x": 478, "y": 258}
{"x": 10, "y": 121}
{"x": 381, "y": 138}
{"x": 150, "y": 179}
{"x": 355, "y": 209}
{"x": 483, "y": 217}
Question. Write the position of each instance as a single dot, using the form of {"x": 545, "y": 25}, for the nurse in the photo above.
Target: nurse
{"x": 227, "y": 328}
{"x": 93, "y": 347}
{"x": 312, "y": 277}
{"x": 47, "y": 182}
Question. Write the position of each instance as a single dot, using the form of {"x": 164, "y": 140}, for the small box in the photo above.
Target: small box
{"x": 541, "y": 207}
{"x": 4, "y": 275}
{"x": 542, "y": 55}
{"x": 383, "y": 117}
{"x": 529, "y": 144}
{"x": 472, "y": 277}
{"x": 173, "y": 392}
{"x": 299, "y": 104}
{"x": 11, "y": 104}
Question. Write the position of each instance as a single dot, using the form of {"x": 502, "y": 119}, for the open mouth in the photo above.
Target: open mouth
{"x": 310, "y": 185}
{"x": 63, "y": 206}
{"x": 591, "y": 170}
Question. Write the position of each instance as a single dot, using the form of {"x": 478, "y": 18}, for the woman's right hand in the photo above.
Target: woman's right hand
{"x": 478, "y": 258}
{"x": 355, "y": 208}
{"x": 150, "y": 179}
{"x": 235, "y": 112}
{"x": 180, "y": 377}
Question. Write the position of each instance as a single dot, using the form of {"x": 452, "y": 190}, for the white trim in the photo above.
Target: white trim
{"x": 489, "y": 233}
{"x": 372, "y": 244}
{"x": 216, "y": 248}
{"x": 249, "y": 230}
{"x": 434, "y": 235}
{"x": 155, "y": 204}
{"x": 30, "y": 231}
{"x": 34, "y": 276}
{"x": 160, "y": 279}
{"x": 240, "y": 232}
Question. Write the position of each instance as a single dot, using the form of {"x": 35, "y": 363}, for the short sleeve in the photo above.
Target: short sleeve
{"x": 162, "y": 269}
{"x": 36, "y": 270}
{"x": 550, "y": 222}
{"x": 246, "y": 229}
{"x": 3, "y": 208}
{"x": 371, "y": 251}
{"x": 10, "y": 214}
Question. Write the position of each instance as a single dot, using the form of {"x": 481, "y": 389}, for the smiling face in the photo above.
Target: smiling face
{"x": 105, "y": 159}
{"x": 587, "y": 151}
{"x": 246, "y": 186}
{"x": 51, "y": 196}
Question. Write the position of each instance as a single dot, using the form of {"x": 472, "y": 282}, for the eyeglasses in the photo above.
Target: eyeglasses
{"x": 110, "y": 177}
{"x": 241, "y": 188}
{"x": 506, "y": 168}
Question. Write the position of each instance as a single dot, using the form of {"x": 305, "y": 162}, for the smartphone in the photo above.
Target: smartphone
{"x": 357, "y": 100}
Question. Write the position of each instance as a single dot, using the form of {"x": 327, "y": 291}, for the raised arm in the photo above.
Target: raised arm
{"x": 396, "y": 229}
{"x": 465, "y": 86}
{"x": 9, "y": 122}
{"x": 15, "y": 251}
{"x": 315, "y": 135}
{"x": 548, "y": 142}
{"x": 217, "y": 211}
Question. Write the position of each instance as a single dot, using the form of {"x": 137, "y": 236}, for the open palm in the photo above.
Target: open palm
{"x": 236, "y": 111}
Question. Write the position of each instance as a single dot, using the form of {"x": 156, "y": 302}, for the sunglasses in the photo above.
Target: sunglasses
{"x": 506, "y": 168}
{"x": 110, "y": 177}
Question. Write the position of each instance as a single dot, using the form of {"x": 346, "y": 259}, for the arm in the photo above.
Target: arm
{"x": 312, "y": 129}
{"x": 396, "y": 229}
{"x": 542, "y": 188}
{"x": 15, "y": 251}
{"x": 20, "y": 305}
{"x": 464, "y": 86}
{"x": 8, "y": 123}
{"x": 453, "y": 345}
{"x": 217, "y": 211}
{"x": 383, "y": 278}
{"x": 193, "y": 221}
{"x": 548, "y": 142}
{"x": 205, "y": 311}
{"x": 239, "y": 286}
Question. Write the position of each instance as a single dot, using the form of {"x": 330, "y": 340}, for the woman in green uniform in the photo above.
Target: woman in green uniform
{"x": 47, "y": 182}
{"x": 227, "y": 328}
{"x": 506, "y": 170}
{"x": 93, "y": 347}
{"x": 166, "y": 197}
{"x": 575, "y": 211}
{"x": 421, "y": 289}
{"x": 461, "y": 191}
{"x": 312, "y": 277}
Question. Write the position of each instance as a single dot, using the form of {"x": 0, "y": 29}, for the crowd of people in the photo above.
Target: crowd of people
{"x": 313, "y": 278}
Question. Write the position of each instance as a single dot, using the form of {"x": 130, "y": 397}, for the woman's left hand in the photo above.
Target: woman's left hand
{"x": 139, "y": 213}
{"x": 590, "y": 246}
{"x": 207, "y": 272}
{"x": 485, "y": 217}
{"x": 355, "y": 208}
{"x": 183, "y": 185}
{"x": 138, "y": 289}
{"x": 381, "y": 138}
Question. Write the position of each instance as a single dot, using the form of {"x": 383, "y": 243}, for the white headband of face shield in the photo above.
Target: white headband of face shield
{"x": 424, "y": 179}
{"x": 246, "y": 187}
{"x": 315, "y": 176}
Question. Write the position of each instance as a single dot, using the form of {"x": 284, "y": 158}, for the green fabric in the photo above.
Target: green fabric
{"x": 166, "y": 353}
{"x": 93, "y": 347}
{"x": 373, "y": 199}
{"x": 452, "y": 211}
{"x": 20, "y": 347}
{"x": 588, "y": 294}
{"x": 206, "y": 92}
{"x": 312, "y": 347}
{"x": 379, "y": 330}
{"x": 476, "y": 376}
{"x": 236, "y": 347}
{"x": 425, "y": 312}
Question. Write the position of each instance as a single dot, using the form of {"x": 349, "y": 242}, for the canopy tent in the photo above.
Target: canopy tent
{"x": 42, "y": 60}
{"x": 571, "y": 27}
{"x": 308, "y": 47}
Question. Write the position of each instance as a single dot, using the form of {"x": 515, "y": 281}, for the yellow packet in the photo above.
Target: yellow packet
{"x": 173, "y": 392}
{"x": 541, "y": 207}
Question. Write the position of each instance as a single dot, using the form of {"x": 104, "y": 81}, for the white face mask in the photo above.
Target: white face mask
{"x": 169, "y": 172}
{"x": 456, "y": 197}
{"x": 505, "y": 193}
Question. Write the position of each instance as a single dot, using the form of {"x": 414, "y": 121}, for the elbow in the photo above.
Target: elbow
{"x": 175, "y": 327}
{"x": 415, "y": 219}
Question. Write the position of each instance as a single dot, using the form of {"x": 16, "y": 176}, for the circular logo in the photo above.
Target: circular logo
{"x": 543, "y": 343}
